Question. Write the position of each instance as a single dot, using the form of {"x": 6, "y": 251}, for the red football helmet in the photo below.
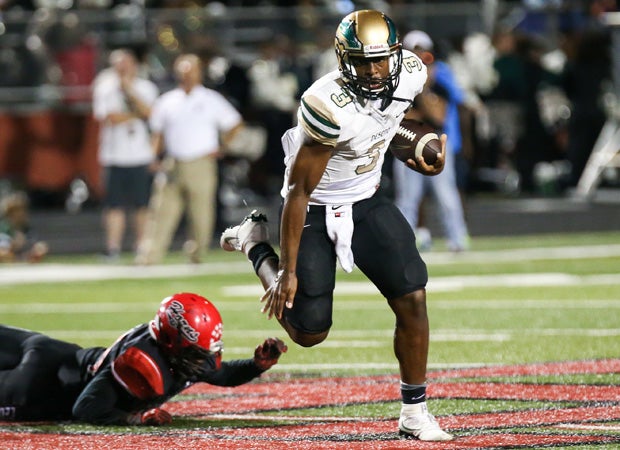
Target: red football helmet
{"x": 188, "y": 328}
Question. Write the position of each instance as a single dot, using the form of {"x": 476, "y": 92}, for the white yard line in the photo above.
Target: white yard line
{"x": 85, "y": 307}
{"x": 352, "y": 305}
{"x": 447, "y": 284}
{"x": 524, "y": 254}
{"x": 368, "y": 338}
{"x": 57, "y": 273}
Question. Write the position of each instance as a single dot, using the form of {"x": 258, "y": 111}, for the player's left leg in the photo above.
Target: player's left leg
{"x": 411, "y": 348}
{"x": 384, "y": 249}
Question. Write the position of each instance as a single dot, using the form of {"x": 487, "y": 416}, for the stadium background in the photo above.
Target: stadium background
{"x": 50, "y": 52}
{"x": 534, "y": 314}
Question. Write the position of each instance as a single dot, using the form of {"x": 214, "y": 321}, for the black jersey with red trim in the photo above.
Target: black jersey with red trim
{"x": 112, "y": 395}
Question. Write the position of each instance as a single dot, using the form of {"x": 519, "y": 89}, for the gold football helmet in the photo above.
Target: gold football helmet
{"x": 368, "y": 34}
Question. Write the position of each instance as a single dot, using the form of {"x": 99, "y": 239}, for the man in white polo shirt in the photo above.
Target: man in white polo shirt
{"x": 190, "y": 125}
{"x": 122, "y": 102}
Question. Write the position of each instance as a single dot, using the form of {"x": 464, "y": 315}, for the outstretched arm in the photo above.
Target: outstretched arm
{"x": 241, "y": 371}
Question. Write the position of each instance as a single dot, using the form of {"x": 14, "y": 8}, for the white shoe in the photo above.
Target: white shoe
{"x": 416, "y": 422}
{"x": 251, "y": 231}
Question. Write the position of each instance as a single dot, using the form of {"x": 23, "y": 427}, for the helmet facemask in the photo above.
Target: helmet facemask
{"x": 193, "y": 361}
{"x": 362, "y": 37}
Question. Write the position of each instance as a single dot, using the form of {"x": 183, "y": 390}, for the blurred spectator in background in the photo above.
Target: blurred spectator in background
{"x": 191, "y": 125}
{"x": 230, "y": 78}
{"x": 63, "y": 41}
{"x": 537, "y": 142}
{"x": 222, "y": 73}
{"x": 526, "y": 127}
{"x": 504, "y": 101}
{"x": 586, "y": 76}
{"x": 274, "y": 89}
{"x": 471, "y": 60}
{"x": 438, "y": 105}
{"x": 16, "y": 240}
{"x": 122, "y": 104}
{"x": 324, "y": 60}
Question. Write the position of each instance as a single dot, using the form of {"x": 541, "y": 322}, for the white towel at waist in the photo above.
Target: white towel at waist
{"x": 339, "y": 222}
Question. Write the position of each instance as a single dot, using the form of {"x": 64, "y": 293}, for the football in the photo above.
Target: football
{"x": 414, "y": 139}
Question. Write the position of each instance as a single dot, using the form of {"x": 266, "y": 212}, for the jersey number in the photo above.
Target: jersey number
{"x": 411, "y": 64}
{"x": 342, "y": 99}
{"x": 373, "y": 153}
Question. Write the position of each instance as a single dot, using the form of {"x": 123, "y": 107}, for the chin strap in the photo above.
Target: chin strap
{"x": 398, "y": 99}
{"x": 387, "y": 100}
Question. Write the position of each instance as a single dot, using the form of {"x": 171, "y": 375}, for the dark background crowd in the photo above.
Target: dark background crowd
{"x": 538, "y": 78}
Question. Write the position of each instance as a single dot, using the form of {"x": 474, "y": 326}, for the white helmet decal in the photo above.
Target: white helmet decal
{"x": 175, "y": 317}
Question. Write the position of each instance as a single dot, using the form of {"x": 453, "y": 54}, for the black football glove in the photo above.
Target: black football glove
{"x": 267, "y": 353}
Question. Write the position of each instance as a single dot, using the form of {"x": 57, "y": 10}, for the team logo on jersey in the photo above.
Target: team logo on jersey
{"x": 379, "y": 135}
{"x": 175, "y": 317}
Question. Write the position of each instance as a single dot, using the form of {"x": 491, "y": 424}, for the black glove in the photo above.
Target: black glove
{"x": 267, "y": 353}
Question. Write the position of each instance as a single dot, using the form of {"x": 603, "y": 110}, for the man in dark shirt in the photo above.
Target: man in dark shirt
{"x": 46, "y": 379}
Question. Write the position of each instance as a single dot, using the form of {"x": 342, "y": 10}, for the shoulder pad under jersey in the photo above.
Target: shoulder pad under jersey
{"x": 138, "y": 373}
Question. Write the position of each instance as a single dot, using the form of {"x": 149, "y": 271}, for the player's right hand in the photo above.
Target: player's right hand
{"x": 280, "y": 294}
{"x": 156, "y": 417}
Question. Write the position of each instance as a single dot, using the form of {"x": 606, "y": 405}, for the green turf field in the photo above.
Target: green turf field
{"x": 507, "y": 301}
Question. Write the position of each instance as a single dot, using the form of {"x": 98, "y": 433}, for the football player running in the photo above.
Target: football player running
{"x": 330, "y": 212}
{"x": 46, "y": 379}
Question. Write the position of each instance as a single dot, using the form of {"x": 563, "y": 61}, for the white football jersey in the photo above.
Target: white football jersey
{"x": 358, "y": 129}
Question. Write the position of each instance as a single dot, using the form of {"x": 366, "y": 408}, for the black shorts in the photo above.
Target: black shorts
{"x": 127, "y": 186}
{"x": 384, "y": 249}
